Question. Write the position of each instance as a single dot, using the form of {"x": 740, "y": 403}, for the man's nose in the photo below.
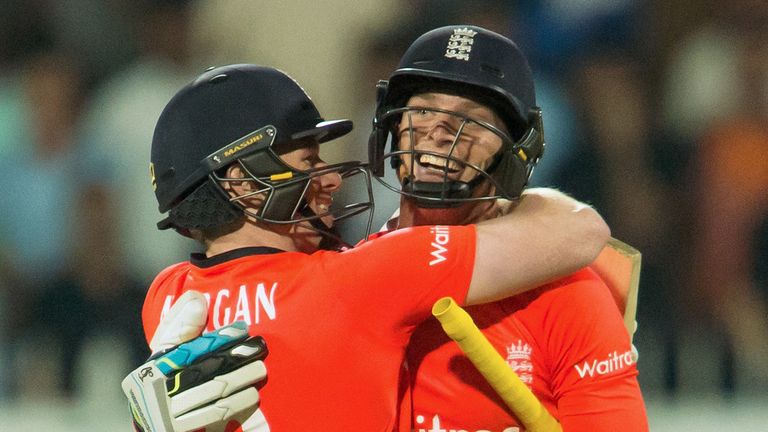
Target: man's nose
{"x": 329, "y": 181}
{"x": 442, "y": 132}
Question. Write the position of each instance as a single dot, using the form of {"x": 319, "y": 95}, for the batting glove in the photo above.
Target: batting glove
{"x": 203, "y": 383}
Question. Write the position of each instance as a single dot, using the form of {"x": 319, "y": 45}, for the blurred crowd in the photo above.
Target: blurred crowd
{"x": 655, "y": 112}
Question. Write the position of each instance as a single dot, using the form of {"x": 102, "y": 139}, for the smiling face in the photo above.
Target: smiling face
{"x": 447, "y": 146}
{"x": 305, "y": 156}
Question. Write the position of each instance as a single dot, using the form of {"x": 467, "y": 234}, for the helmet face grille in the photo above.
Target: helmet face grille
{"x": 454, "y": 178}
{"x": 285, "y": 197}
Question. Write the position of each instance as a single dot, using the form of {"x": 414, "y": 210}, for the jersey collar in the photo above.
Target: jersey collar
{"x": 200, "y": 260}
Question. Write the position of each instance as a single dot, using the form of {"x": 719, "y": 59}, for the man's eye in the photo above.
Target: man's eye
{"x": 418, "y": 130}
{"x": 312, "y": 160}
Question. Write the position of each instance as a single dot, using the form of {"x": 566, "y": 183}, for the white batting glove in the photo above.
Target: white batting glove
{"x": 205, "y": 382}
{"x": 183, "y": 322}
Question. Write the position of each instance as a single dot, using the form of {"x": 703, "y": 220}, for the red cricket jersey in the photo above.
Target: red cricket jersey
{"x": 336, "y": 323}
{"x": 566, "y": 341}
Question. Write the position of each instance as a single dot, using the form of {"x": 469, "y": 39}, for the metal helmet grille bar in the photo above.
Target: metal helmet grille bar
{"x": 340, "y": 213}
{"x": 272, "y": 186}
{"x": 446, "y": 193}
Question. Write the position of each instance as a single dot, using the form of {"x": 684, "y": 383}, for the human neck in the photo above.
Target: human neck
{"x": 413, "y": 215}
{"x": 253, "y": 234}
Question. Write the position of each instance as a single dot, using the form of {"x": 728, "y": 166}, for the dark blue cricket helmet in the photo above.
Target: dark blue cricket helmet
{"x": 237, "y": 114}
{"x": 481, "y": 65}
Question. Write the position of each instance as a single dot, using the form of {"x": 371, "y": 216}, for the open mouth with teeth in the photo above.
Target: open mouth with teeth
{"x": 439, "y": 163}
{"x": 437, "y": 166}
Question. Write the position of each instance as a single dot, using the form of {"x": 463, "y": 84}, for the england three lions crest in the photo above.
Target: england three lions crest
{"x": 460, "y": 44}
{"x": 519, "y": 359}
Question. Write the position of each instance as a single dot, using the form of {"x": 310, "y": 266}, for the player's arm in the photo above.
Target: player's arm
{"x": 548, "y": 235}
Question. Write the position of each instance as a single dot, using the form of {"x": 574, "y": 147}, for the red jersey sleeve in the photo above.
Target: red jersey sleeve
{"x": 594, "y": 376}
{"x": 413, "y": 268}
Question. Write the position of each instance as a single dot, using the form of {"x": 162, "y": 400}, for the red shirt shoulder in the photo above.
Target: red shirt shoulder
{"x": 156, "y": 295}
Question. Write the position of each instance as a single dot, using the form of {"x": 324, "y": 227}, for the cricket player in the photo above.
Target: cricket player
{"x": 465, "y": 131}
{"x": 236, "y": 164}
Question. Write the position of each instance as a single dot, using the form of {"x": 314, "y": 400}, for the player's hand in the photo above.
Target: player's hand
{"x": 213, "y": 367}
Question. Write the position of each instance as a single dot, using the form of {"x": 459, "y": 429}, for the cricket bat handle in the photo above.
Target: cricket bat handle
{"x": 458, "y": 325}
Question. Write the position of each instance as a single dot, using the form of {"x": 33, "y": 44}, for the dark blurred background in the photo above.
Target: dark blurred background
{"x": 655, "y": 112}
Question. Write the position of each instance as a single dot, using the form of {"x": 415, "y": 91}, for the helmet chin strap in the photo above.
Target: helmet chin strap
{"x": 448, "y": 194}
{"x": 437, "y": 195}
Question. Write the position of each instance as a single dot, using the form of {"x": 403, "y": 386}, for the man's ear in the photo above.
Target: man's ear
{"x": 241, "y": 191}
{"x": 235, "y": 171}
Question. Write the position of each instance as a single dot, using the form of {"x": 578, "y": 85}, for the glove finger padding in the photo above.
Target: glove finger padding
{"x": 218, "y": 415}
{"x": 202, "y": 383}
{"x": 184, "y": 321}
{"x": 212, "y": 387}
